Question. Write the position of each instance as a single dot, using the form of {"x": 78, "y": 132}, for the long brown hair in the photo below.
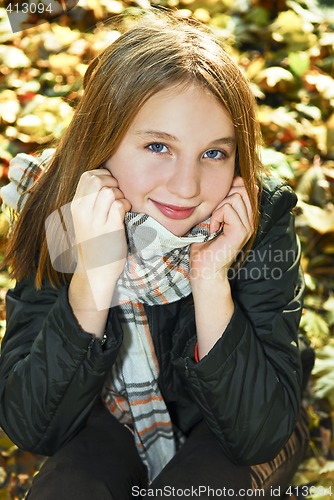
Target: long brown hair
{"x": 154, "y": 54}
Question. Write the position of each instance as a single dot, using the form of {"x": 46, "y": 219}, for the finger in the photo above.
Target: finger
{"x": 123, "y": 206}
{"x": 237, "y": 203}
{"x": 226, "y": 215}
{"x": 242, "y": 204}
{"x": 96, "y": 204}
{"x": 93, "y": 180}
{"x": 105, "y": 198}
{"x": 118, "y": 210}
{"x": 233, "y": 225}
{"x": 102, "y": 204}
{"x": 243, "y": 193}
{"x": 238, "y": 182}
{"x": 88, "y": 190}
{"x": 218, "y": 218}
{"x": 216, "y": 222}
{"x": 115, "y": 194}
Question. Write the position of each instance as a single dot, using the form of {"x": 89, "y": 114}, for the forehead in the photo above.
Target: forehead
{"x": 182, "y": 108}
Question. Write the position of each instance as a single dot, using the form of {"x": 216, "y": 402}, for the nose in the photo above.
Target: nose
{"x": 184, "y": 180}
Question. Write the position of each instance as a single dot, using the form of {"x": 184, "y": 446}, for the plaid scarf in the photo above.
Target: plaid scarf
{"x": 23, "y": 171}
{"x": 156, "y": 273}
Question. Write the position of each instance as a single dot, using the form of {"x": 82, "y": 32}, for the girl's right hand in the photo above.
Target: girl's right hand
{"x": 98, "y": 210}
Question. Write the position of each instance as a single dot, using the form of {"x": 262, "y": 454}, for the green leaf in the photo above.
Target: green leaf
{"x": 258, "y": 16}
{"x": 278, "y": 162}
{"x": 324, "y": 373}
{"x": 299, "y": 62}
{"x": 315, "y": 326}
{"x": 310, "y": 282}
{"x": 329, "y": 304}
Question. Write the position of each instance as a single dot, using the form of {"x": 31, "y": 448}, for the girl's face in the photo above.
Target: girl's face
{"x": 176, "y": 161}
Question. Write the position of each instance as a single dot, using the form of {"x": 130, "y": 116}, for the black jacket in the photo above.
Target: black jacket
{"x": 247, "y": 387}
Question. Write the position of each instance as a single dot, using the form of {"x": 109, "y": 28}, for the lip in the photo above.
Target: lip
{"x": 173, "y": 211}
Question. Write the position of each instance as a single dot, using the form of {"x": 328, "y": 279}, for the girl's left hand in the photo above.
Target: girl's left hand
{"x": 212, "y": 259}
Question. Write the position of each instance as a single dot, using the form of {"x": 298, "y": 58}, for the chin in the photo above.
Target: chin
{"x": 177, "y": 229}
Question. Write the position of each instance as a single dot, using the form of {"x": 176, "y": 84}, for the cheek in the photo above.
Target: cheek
{"x": 133, "y": 189}
{"x": 127, "y": 188}
{"x": 119, "y": 170}
{"x": 218, "y": 187}
{"x": 111, "y": 165}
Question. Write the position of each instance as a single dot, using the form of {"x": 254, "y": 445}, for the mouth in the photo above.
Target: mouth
{"x": 173, "y": 211}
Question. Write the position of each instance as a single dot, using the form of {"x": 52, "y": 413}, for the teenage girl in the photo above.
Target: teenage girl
{"x": 159, "y": 348}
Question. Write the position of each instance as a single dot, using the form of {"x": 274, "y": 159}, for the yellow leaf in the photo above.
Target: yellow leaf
{"x": 290, "y": 22}
{"x": 29, "y": 124}
{"x": 9, "y": 106}
{"x": 12, "y": 57}
{"x": 328, "y": 467}
{"x": 202, "y": 15}
{"x": 255, "y": 66}
{"x": 64, "y": 63}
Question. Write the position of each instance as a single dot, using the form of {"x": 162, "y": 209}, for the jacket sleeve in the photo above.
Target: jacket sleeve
{"x": 51, "y": 371}
{"x": 248, "y": 386}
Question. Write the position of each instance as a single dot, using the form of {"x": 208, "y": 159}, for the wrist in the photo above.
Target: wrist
{"x": 89, "y": 308}
{"x": 90, "y": 292}
{"x": 218, "y": 282}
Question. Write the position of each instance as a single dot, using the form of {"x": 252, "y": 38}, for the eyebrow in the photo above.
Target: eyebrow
{"x": 225, "y": 141}
{"x": 157, "y": 134}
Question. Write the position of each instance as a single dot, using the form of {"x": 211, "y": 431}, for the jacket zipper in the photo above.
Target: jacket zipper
{"x": 186, "y": 364}
{"x": 92, "y": 342}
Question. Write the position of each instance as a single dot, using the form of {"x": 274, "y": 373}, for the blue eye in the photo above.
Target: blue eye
{"x": 157, "y": 147}
{"x": 214, "y": 154}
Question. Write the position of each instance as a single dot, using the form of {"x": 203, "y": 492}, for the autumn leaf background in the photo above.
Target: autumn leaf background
{"x": 286, "y": 49}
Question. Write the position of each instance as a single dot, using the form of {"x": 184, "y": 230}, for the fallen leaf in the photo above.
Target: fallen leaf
{"x": 319, "y": 219}
{"x": 64, "y": 63}
{"x": 13, "y": 57}
{"x": 275, "y": 75}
